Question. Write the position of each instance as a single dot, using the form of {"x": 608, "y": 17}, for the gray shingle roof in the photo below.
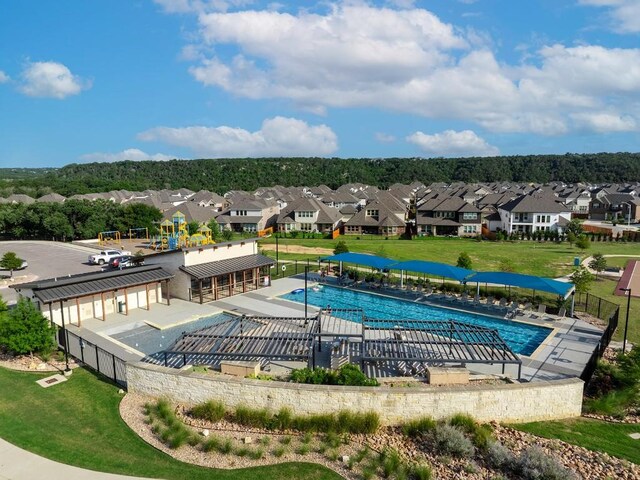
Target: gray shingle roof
{"x": 221, "y": 267}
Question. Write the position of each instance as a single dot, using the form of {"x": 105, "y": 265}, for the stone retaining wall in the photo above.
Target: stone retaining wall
{"x": 525, "y": 402}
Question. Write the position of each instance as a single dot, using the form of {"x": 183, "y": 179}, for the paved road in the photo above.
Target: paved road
{"x": 18, "y": 464}
{"x": 46, "y": 260}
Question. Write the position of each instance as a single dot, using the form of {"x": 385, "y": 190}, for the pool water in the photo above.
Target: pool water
{"x": 521, "y": 338}
{"x": 150, "y": 340}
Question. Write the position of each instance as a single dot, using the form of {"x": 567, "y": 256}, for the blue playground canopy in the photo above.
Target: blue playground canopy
{"x": 362, "y": 259}
{"x": 523, "y": 281}
{"x": 433, "y": 268}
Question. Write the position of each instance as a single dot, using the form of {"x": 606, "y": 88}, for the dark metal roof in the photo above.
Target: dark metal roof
{"x": 221, "y": 267}
{"x": 75, "y": 286}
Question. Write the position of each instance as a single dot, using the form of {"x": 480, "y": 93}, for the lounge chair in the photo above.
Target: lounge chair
{"x": 525, "y": 309}
{"x": 542, "y": 309}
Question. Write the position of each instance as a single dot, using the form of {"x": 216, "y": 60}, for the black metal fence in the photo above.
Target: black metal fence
{"x": 94, "y": 357}
{"x": 605, "y": 310}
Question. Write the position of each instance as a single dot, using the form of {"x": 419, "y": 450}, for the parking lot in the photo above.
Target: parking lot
{"x": 46, "y": 260}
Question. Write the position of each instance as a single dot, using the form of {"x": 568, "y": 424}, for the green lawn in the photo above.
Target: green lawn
{"x": 78, "y": 423}
{"x": 620, "y": 261}
{"x": 546, "y": 259}
{"x": 604, "y": 288}
{"x": 612, "y": 438}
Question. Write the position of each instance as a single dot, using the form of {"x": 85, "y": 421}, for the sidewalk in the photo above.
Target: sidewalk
{"x": 18, "y": 464}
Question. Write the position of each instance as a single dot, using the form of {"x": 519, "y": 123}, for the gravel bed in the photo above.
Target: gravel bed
{"x": 33, "y": 364}
{"x": 132, "y": 412}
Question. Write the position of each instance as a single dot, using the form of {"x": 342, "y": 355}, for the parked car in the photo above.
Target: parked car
{"x": 125, "y": 261}
{"x": 105, "y": 256}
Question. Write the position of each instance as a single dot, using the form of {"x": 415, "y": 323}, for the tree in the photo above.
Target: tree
{"x": 341, "y": 247}
{"x": 227, "y": 235}
{"x": 464, "y": 261}
{"x": 598, "y": 263}
{"x": 582, "y": 279}
{"x": 214, "y": 226}
{"x": 583, "y": 242}
{"x": 571, "y": 238}
{"x": 574, "y": 226}
{"x": 10, "y": 261}
{"x": 192, "y": 227}
{"x": 25, "y": 330}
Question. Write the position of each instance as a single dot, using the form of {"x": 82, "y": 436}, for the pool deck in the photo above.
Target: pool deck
{"x": 563, "y": 354}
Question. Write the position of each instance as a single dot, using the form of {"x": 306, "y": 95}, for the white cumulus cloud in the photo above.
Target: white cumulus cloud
{"x": 50, "y": 79}
{"x": 384, "y": 137}
{"x": 407, "y": 60}
{"x": 128, "y": 154}
{"x": 3, "y": 77}
{"x": 277, "y": 136}
{"x": 453, "y": 144}
{"x": 624, "y": 14}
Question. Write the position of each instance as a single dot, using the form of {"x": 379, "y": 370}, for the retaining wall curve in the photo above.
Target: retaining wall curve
{"x": 545, "y": 400}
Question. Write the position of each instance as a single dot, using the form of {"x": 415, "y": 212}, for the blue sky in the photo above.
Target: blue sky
{"x": 104, "y": 81}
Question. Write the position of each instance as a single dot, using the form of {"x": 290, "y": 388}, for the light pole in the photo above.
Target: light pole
{"x": 626, "y": 322}
{"x": 67, "y": 370}
{"x": 276, "y": 252}
{"x": 306, "y": 275}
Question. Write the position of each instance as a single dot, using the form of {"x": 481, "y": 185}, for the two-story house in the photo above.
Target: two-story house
{"x": 385, "y": 216}
{"x": 249, "y": 214}
{"x": 309, "y": 215}
{"x": 531, "y": 213}
{"x": 448, "y": 216}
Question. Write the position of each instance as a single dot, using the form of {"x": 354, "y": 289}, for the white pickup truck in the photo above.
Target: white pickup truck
{"x": 104, "y": 256}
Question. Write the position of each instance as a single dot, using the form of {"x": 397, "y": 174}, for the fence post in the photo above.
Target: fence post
{"x": 95, "y": 348}
{"x": 599, "y": 304}
{"x": 115, "y": 380}
{"x": 586, "y": 304}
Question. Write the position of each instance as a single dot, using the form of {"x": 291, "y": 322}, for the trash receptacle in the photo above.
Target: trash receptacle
{"x": 120, "y": 307}
{"x": 576, "y": 261}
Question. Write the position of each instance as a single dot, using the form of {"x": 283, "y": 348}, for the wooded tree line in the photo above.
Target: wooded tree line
{"x": 221, "y": 175}
{"x": 73, "y": 219}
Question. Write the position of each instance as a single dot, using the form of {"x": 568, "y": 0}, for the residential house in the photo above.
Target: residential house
{"x": 249, "y": 214}
{"x": 309, "y": 215}
{"x": 378, "y": 218}
{"x": 443, "y": 215}
{"x": 530, "y": 213}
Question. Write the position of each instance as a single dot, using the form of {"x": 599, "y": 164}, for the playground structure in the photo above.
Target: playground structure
{"x": 174, "y": 234}
{"x": 111, "y": 237}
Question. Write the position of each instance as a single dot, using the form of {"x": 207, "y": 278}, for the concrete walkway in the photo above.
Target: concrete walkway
{"x": 18, "y": 464}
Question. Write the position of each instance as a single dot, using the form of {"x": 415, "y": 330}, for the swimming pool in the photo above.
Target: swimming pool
{"x": 150, "y": 340}
{"x": 521, "y": 338}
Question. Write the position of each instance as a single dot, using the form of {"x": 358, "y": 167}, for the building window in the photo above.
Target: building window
{"x": 304, "y": 214}
{"x": 241, "y": 213}
{"x": 372, "y": 213}
{"x": 306, "y": 227}
{"x": 470, "y": 216}
{"x": 470, "y": 229}
{"x": 250, "y": 227}
{"x": 543, "y": 218}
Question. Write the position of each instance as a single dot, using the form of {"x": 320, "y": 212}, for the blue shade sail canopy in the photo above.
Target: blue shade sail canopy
{"x": 523, "y": 281}
{"x": 433, "y": 268}
{"x": 361, "y": 259}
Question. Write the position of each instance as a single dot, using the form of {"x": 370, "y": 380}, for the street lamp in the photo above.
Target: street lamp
{"x": 306, "y": 275}
{"x": 626, "y": 322}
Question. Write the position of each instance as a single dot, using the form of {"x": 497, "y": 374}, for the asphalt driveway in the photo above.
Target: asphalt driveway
{"x": 46, "y": 260}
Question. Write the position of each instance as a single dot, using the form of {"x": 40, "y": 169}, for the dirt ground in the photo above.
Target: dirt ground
{"x": 298, "y": 249}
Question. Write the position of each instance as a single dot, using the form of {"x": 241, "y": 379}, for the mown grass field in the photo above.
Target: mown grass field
{"x": 545, "y": 259}
{"x": 77, "y": 423}
{"x": 612, "y": 438}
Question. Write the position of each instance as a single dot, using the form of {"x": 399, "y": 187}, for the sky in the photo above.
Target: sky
{"x": 102, "y": 81}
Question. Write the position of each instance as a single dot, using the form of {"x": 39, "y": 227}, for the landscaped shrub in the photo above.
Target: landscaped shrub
{"x": 175, "y": 433}
{"x": 534, "y": 464}
{"x": 252, "y": 417}
{"x": 422, "y": 472}
{"x": 499, "y": 457}
{"x": 420, "y": 426}
{"x": 348, "y": 374}
{"x": 283, "y": 420}
{"x": 449, "y": 440}
{"x": 480, "y": 434}
{"x": 391, "y": 463}
{"x": 211, "y": 410}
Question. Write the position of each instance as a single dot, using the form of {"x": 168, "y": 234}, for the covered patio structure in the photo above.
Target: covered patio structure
{"x": 436, "y": 269}
{"x": 224, "y": 278}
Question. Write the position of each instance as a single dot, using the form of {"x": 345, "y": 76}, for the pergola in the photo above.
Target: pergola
{"x": 407, "y": 346}
{"x": 437, "y": 269}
